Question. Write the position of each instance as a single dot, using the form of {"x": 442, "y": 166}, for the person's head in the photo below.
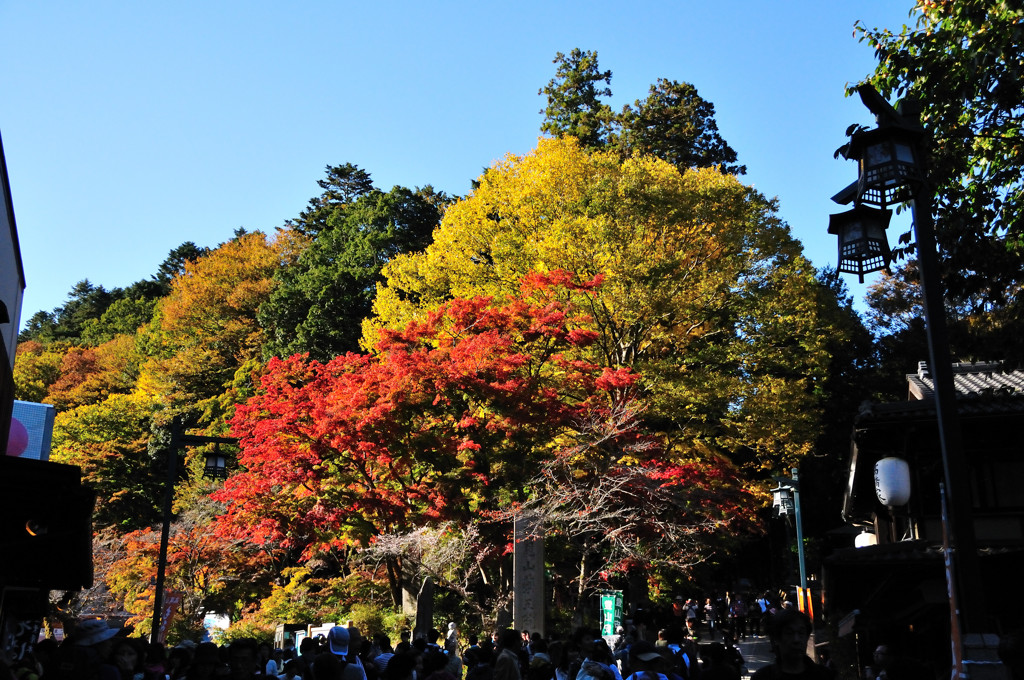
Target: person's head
{"x": 433, "y": 660}
{"x": 337, "y": 641}
{"x": 584, "y": 641}
{"x": 474, "y": 656}
{"x": 126, "y": 656}
{"x": 510, "y": 639}
{"x": 95, "y": 633}
{"x": 399, "y": 667}
{"x": 473, "y": 639}
{"x": 882, "y": 656}
{"x": 713, "y": 654}
{"x": 307, "y": 646}
{"x": 790, "y": 629}
{"x": 243, "y": 658}
{"x": 205, "y": 661}
{"x": 382, "y": 642}
{"x": 291, "y": 668}
{"x": 355, "y": 638}
{"x": 602, "y": 652}
{"x": 643, "y": 656}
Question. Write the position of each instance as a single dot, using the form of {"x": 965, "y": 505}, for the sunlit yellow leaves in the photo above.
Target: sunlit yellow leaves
{"x": 704, "y": 291}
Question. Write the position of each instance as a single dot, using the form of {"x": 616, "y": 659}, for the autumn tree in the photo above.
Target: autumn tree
{"x": 88, "y": 375}
{"x": 108, "y": 440}
{"x": 320, "y": 301}
{"x": 705, "y": 293}
{"x": 207, "y": 572}
{"x": 36, "y": 368}
{"x": 205, "y": 329}
{"x": 446, "y": 420}
{"x": 451, "y": 555}
{"x": 614, "y": 502}
{"x": 673, "y": 123}
{"x": 174, "y": 264}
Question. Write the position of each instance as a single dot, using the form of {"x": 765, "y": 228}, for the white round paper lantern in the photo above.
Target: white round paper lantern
{"x": 892, "y": 481}
{"x": 864, "y": 539}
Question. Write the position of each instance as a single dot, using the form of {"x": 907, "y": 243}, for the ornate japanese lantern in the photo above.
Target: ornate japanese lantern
{"x": 863, "y": 246}
{"x": 888, "y": 162}
{"x": 216, "y": 464}
{"x": 782, "y": 501}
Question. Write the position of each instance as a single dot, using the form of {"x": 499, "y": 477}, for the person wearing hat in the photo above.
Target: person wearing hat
{"x": 338, "y": 645}
{"x": 93, "y": 642}
{"x": 646, "y": 662}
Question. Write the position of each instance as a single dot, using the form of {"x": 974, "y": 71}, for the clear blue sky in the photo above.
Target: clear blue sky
{"x": 130, "y": 128}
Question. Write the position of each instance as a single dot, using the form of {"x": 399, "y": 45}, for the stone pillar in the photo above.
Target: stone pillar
{"x": 528, "y": 575}
{"x": 409, "y": 594}
{"x": 424, "y": 609}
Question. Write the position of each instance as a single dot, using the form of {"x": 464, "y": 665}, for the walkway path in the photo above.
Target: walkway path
{"x": 757, "y": 652}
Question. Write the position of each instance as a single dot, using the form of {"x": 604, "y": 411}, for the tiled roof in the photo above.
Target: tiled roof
{"x": 970, "y": 380}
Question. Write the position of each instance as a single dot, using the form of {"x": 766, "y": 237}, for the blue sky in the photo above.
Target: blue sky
{"x": 130, "y": 128}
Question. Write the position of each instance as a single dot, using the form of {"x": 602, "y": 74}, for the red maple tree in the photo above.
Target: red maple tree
{"x": 448, "y": 419}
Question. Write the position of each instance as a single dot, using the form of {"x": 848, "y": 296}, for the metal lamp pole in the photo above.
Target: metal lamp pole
{"x": 792, "y": 484}
{"x": 893, "y": 170}
{"x": 178, "y": 442}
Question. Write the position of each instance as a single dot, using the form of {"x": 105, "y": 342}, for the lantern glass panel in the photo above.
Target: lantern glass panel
{"x": 904, "y": 152}
{"x": 874, "y": 231}
{"x": 854, "y": 231}
{"x": 876, "y": 154}
{"x": 216, "y": 465}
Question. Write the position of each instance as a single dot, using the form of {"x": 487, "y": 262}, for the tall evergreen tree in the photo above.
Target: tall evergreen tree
{"x": 673, "y": 123}
{"x": 320, "y": 302}
{"x": 574, "y": 95}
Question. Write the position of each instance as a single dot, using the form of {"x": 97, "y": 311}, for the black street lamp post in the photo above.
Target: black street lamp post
{"x": 892, "y": 170}
{"x": 215, "y": 467}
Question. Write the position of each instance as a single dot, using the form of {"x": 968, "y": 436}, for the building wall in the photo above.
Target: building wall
{"x": 12, "y": 276}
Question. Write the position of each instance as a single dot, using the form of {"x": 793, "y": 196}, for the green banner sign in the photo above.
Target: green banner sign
{"x": 611, "y": 611}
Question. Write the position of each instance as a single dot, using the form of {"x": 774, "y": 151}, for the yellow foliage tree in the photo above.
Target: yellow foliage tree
{"x": 704, "y": 292}
{"x": 206, "y": 328}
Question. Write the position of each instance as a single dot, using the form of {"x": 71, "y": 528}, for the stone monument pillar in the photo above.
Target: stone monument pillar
{"x": 424, "y": 609}
{"x": 528, "y": 575}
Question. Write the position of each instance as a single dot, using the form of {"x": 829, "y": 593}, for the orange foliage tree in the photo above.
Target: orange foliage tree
{"x": 206, "y": 328}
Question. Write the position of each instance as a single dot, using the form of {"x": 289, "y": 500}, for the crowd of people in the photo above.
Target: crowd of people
{"x": 736, "y": 615}
{"x": 95, "y": 651}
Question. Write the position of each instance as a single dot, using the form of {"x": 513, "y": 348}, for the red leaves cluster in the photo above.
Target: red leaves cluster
{"x": 449, "y": 416}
